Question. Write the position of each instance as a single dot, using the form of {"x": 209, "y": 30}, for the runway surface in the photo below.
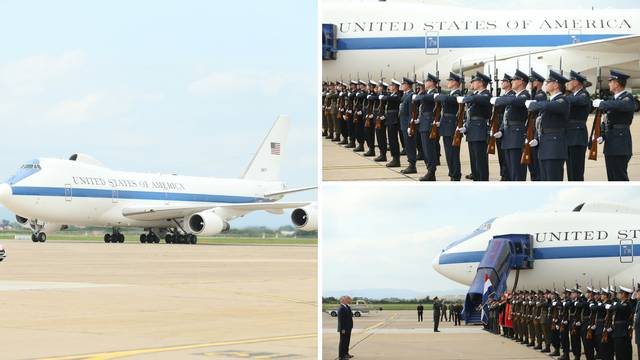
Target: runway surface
{"x": 339, "y": 163}
{"x": 398, "y": 335}
{"x": 68, "y": 300}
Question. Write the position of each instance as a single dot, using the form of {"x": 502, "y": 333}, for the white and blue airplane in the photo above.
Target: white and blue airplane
{"x": 593, "y": 245}
{"x": 49, "y": 194}
{"x": 402, "y": 38}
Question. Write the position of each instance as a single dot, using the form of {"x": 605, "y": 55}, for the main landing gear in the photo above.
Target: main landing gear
{"x": 150, "y": 238}
{"x": 39, "y": 237}
{"x": 115, "y": 237}
{"x": 181, "y": 239}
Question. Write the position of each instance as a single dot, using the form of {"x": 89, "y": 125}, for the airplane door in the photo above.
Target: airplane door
{"x": 575, "y": 35}
{"x": 68, "y": 193}
{"x": 115, "y": 197}
{"x": 166, "y": 198}
{"x": 432, "y": 43}
{"x": 626, "y": 251}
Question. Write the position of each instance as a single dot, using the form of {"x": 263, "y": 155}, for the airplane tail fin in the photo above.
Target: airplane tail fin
{"x": 265, "y": 165}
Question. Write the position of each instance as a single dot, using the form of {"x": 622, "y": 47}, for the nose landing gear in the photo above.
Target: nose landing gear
{"x": 39, "y": 237}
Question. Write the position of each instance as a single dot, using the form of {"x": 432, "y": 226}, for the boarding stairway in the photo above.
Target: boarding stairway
{"x": 504, "y": 253}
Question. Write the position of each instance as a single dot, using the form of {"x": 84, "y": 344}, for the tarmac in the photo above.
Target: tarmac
{"x": 398, "y": 335}
{"x": 90, "y": 300}
{"x": 339, "y": 163}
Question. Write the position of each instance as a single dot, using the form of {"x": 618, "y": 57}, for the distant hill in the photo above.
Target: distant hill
{"x": 392, "y": 293}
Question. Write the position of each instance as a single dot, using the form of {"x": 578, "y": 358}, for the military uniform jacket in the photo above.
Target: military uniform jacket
{"x": 501, "y": 117}
{"x": 580, "y": 107}
{"x": 636, "y": 324}
{"x": 447, "y": 125}
{"x": 359, "y": 102}
{"x": 393, "y": 105}
{"x": 478, "y": 115}
{"x": 333, "y": 102}
{"x": 621, "y": 317}
{"x": 351, "y": 101}
{"x": 345, "y": 318}
{"x": 374, "y": 101}
{"x": 427, "y": 104}
{"x": 405, "y": 110}
{"x": 552, "y": 128}
{"x": 437, "y": 306}
{"x": 514, "y": 125}
{"x": 619, "y": 116}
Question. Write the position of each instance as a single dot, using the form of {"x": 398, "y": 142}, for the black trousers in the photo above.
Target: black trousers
{"x": 576, "y": 343}
{"x": 501, "y": 159}
{"x": 617, "y": 167}
{"x": 479, "y": 160}
{"x": 420, "y": 316}
{"x": 588, "y": 345}
{"x": 394, "y": 131}
{"x": 606, "y": 349}
{"x": 515, "y": 170}
{"x": 343, "y": 347}
{"x": 575, "y": 163}
{"x": 351, "y": 129}
{"x": 436, "y": 321}
{"x": 381, "y": 136}
{"x": 370, "y": 136}
{"x": 410, "y": 146}
{"x": 452, "y": 154}
{"x": 534, "y": 165}
{"x": 429, "y": 150}
{"x": 552, "y": 170}
{"x": 359, "y": 129}
{"x": 344, "y": 129}
{"x": 622, "y": 346}
{"x": 564, "y": 339}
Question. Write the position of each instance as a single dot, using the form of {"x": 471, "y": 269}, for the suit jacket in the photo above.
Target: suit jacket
{"x": 345, "y": 318}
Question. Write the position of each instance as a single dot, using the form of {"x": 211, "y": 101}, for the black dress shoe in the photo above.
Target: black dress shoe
{"x": 394, "y": 163}
{"x": 343, "y": 142}
{"x": 336, "y": 139}
{"x": 350, "y": 145}
{"x": 469, "y": 177}
{"x": 545, "y": 350}
{"x": 381, "y": 158}
{"x": 411, "y": 169}
{"x": 556, "y": 352}
{"x": 371, "y": 152}
{"x": 360, "y": 148}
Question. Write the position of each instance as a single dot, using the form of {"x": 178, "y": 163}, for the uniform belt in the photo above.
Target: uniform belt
{"x": 572, "y": 121}
{"x": 553, "y": 131}
{"x": 477, "y": 118}
{"x": 449, "y": 114}
{"x": 515, "y": 123}
{"x": 619, "y": 126}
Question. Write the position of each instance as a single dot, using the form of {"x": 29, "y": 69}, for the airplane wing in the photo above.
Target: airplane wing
{"x": 290, "y": 191}
{"x": 163, "y": 212}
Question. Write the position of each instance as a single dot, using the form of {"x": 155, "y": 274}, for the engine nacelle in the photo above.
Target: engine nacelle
{"x": 24, "y": 222}
{"x": 305, "y": 218}
{"x": 37, "y": 226}
{"x": 205, "y": 223}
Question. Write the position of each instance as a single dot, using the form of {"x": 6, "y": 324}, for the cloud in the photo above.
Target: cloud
{"x": 569, "y": 198}
{"x": 234, "y": 83}
{"x": 75, "y": 110}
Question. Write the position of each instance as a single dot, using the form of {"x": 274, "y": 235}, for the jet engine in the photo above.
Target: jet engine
{"x": 305, "y": 218}
{"x": 206, "y": 223}
{"x": 36, "y": 226}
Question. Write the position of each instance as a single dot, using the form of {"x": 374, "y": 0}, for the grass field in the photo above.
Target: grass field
{"x": 387, "y": 307}
{"x": 131, "y": 237}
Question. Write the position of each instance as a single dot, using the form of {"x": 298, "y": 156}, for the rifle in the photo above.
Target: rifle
{"x": 457, "y": 136}
{"x": 526, "y": 151}
{"x": 436, "y": 111}
{"x": 380, "y": 110}
{"x": 597, "y": 121}
{"x": 592, "y": 323}
{"x": 414, "y": 111}
{"x": 607, "y": 324}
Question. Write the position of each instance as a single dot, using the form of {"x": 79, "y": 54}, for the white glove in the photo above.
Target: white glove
{"x": 527, "y": 103}
{"x": 600, "y": 140}
{"x": 340, "y": 94}
{"x": 607, "y": 306}
{"x": 609, "y": 329}
{"x": 414, "y": 96}
{"x": 578, "y": 323}
{"x": 437, "y": 123}
{"x": 409, "y": 131}
{"x": 349, "y": 111}
{"x": 533, "y": 143}
{"x": 593, "y": 327}
{"x": 435, "y": 96}
{"x": 380, "y": 97}
{"x": 382, "y": 117}
{"x": 417, "y": 121}
{"x": 359, "y": 112}
{"x": 459, "y": 99}
{"x": 462, "y": 130}
{"x": 493, "y": 100}
{"x": 596, "y": 103}
{"x": 497, "y": 135}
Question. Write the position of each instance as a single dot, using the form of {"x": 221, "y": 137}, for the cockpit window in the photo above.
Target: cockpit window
{"x": 25, "y": 171}
{"x": 30, "y": 166}
{"x": 485, "y": 226}
{"x": 482, "y": 228}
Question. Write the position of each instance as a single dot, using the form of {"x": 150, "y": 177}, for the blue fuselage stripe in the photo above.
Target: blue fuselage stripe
{"x": 471, "y": 41}
{"x": 133, "y": 195}
{"x": 566, "y": 252}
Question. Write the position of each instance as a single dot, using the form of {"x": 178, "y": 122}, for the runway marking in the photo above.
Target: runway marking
{"x": 8, "y": 285}
{"x": 126, "y": 353}
{"x": 276, "y": 297}
{"x": 247, "y": 355}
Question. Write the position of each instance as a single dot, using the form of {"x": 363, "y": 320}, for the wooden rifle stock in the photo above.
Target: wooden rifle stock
{"x": 380, "y": 114}
{"x": 595, "y": 131}
{"x": 414, "y": 117}
{"x": 340, "y": 107}
{"x": 592, "y": 323}
{"x": 367, "y": 123}
{"x": 436, "y": 115}
{"x": 526, "y": 151}
{"x": 607, "y": 325}
{"x": 457, "y": 137}
{"x": 495, "y": 116}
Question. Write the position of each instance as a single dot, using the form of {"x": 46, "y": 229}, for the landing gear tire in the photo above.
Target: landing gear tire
{"x": 168, "y": 239}
{"x": 182, "y": 239}
{"x": 34, "y": 238}
{"x": 107, "y": 238}
{"x": 120, "y": 237}
{"x": 42, "y": 237}
{"x": 143, "y": 238}
{"x": 192, "y": 239}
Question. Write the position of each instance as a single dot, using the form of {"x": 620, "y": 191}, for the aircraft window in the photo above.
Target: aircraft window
{"x": 486, "y": 226}
{"x": 30, "y": 166}
{"x": 578, "y": 208}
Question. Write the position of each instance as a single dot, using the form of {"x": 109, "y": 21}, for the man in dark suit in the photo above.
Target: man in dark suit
{"x": 345, "y": 324}
{"x": 420, "y": 311}
{"x": 437, "y": 307}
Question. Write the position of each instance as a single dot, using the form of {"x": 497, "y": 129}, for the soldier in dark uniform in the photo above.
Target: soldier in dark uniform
{"x": 345, "y": 325}
{"x": 476, "y": 125}
{"x": 405, "y": 117}
{"x": 426, "y": 101}
{"x": 539, "y": 95}
{"x": 505, "y": 85}
{"x": 371, "y": 111}
{"x": 565, "y": 327}
{"x": 393, "y": 99}
{"x": 575, "y": 318}
{"x": 540, "y": 301}
{"x": 447, "y": 125}
{"x": 325, "y": 118}
{"x": 351, "y": 102}
{"x": 513, "y": 130}
{"x": 617, "y": 136}
{"x": 420, "y": 311}
{"x": 606, "y": 348}
{"x": 344, "y": 128}
{"x": 586, "y": 305}
{"x": 577, "y": 136}
{"x": 338, "y": 120}
{"x": 545, "y": 321}
{"x": 556, "y": 318}
{"x": 530, "y": 322}
{"x": 359, "y": 113}
{"x": 623, "y": 310}
{"x": 381, "y": 126}
{"x": 552, "y": 129}
{"x": 437, "y": 307}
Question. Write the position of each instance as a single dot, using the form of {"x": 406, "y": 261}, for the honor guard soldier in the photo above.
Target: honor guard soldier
{"x": 617, "y": 136}
{"x": 507, "y": 90}
{"x": 325, "y": 106}
{"x": 537, "y": 320}
{"x": 447, "y": 125}
{"x": 437, "y": 307}
{"x": 577, "y": 136}
{"x": 342, "y": 119}
{"x": 552, "y": 151}
{"x": 623, "y": 311}
{"x": 393, "y": 100}
{"x": 636, "y": 323}
{"x": 381, "y": 122}
{"x": 351, "y": 101}
{"x": 405, "y": 118}
{"x": 476, "y": 125}
{"x": 332, "y": 110}
{"x": 537, "y": 94}
{"x": 513, "y": 130}
{"x": 575, "y": 318}
{"x": 372, "y": 105}
{"x": 556, "y": 318}
{"x": 358, "y": 116}
{"x": 426, "y": 101}
{"x": 545, "y": 321}
{"x": 587, "y": 305}
{"x": 565, "y": 327}
{"x": 606, "y": 347}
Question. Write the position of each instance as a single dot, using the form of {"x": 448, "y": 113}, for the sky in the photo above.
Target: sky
{"x": 159, "y": 86}
{"x": 384, "y": 236}
{"x": 520, "y": 4}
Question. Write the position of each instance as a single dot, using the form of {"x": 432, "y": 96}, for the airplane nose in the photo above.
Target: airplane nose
{"x": 5, "y": 192}
{"x": 435, "y": 263}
